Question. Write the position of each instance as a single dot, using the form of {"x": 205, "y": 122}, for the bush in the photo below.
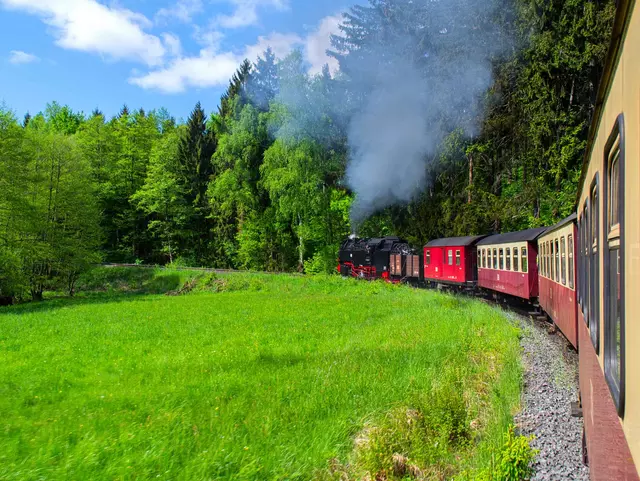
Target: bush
{"x": 512, "y": 463}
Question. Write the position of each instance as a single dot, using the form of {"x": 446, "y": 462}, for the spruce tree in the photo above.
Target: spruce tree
{"x": 195, "y": 150}
{"x": 264, "y": 83}
{"x": 237, "y": 86}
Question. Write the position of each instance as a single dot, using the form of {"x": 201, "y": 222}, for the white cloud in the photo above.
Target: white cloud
{"x": 182, "y": 11}
{"x": 20, "y": 57}
{"x": 89, "y": 26}
{"x": 210, "y": 68}
{"x": 317, "y": 43}
{"x": 246, "y": 12}
{"x": 213, "y": 67}
{"x": 281, "y": 43}
{"x": 173, "y": 44}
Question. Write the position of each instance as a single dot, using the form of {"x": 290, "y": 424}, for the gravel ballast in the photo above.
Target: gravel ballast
{"x": 550, "y": 385}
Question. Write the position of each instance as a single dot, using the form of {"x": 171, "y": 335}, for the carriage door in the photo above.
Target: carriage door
{"x": 437, "y": 261}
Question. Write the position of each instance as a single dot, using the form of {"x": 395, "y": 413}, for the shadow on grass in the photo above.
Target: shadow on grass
{"x": 146, "y": 285}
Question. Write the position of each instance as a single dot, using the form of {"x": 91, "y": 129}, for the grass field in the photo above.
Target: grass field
{"x": 253, "y": 377}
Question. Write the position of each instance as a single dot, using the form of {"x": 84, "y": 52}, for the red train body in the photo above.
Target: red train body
{"x": 508, "y": 263}
{"x": 557, "y": 254}
{"x": 451, "y": 261}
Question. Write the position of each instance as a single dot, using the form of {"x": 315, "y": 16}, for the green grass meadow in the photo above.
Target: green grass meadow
{"x": 253, "y": 376}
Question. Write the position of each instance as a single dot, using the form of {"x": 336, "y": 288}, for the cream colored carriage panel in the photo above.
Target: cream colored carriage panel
{"x": 624, "y": 97}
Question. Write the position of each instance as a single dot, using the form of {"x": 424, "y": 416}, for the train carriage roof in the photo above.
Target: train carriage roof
{"x": 562, "y": 223}
{"x": 519, "y": 236}
{"x": 455, "y": 241}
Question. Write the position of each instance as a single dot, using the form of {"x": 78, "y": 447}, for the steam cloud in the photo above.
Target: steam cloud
{"x": 414, "y": 81}
{"x": 416, "y": 102}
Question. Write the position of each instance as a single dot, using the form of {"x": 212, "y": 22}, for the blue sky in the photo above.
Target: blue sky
{"x": 148, "y": 53}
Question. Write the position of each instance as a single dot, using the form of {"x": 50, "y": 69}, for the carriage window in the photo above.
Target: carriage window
{"x": 484, "y": 258}
{"x": 515, "y": 259}
{"x": 570, "y": 259}
{"x": 584, "y": 275}
{"x": 495, "y": 258}
{"x": 614, "y": 266}
{"x": 543, "y": 248}
{"x": 557, "y": 261}
{"x": 450, "y": 257}
{"x": 508, "y": 253}
{"x": 594, "y": 277}
{"x": 563, "y": 260}
{"x": 525, "y": 260}
{"x": 457, "y": 257}
{"x": 501, "y": 266}
{"x": 614, "y": 184}
{"x": 552, "y": 257}
{"x": 547, "y": 257}
{"x": 428, "y": 259}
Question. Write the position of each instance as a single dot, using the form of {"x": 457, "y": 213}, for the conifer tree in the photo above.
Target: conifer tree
{"x": 237, "y": 86}
{"x": 196, "y": 147}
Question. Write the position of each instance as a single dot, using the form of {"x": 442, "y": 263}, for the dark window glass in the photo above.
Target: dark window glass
{"x": 546, "y": 259}
{"x": 428, "y": 258}
{"x": 553, "y": 255}
{"x": 450, "y": 257}
{"x": 557, "y": 262}
{"x": 508, "y": 259}
{"x": 516, "y": 260}
{"x": 594, "y": 288}
{"x": 563, "y": 260}
{"x": 457, "y": 257}
{"x": 501, "y": 266}
{"x": 570, "y": 260}
{"x": 614, "y": 317}
{"x": 495, "y": 258}
{"x": 614, "y": 183}
{"x": 525, "y": 260}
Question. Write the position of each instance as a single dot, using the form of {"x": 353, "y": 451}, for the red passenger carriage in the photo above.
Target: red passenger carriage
{"x": 557, "y": 249}
{"x": 507, "y": 263}
{"x": 451, "y": 261}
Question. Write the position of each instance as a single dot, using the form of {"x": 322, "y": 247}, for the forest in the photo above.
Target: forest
{"x": 288, "y": 164}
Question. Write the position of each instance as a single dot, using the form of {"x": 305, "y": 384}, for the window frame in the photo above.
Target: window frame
{"x": 571, "y": 261}
{"x": 584, "y": 275}
{"x": 524, "y": 260}
{"x": 450, "y": 257}
{"x": 557, "y": 260}
{"x": 516, "y": 260}
{"x": 427, "y": 257}
{"x": 458, "y": 258}
{"x": 495, "y": 258}
{"x": 501, "y": 258}
{"x": 552, "y": 260}
{"x": 594, "y": 265}
{"x": 563, "y": 260}
{"x": 614, "y": 233}
{"x": 507, "y": 258}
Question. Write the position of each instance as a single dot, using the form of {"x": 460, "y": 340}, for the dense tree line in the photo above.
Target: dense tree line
{"x": 260, "y": 184}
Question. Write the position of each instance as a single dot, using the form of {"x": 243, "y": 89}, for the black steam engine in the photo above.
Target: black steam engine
{"x": 380, "y": 257}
